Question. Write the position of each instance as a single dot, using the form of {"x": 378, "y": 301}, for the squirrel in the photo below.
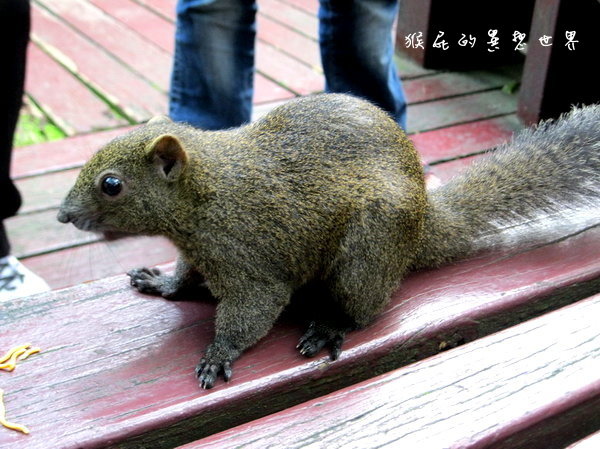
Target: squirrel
{"x": 325, "y": 190}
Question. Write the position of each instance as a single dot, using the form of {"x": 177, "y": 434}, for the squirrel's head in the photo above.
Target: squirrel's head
{"x": 130, "y": 184}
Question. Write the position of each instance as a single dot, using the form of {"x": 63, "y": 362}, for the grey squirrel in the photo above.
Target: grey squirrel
{"x": 323, "y": 190}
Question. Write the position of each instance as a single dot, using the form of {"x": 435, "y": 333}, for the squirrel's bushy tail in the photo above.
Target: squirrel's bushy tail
{"x": 541, "y": 186}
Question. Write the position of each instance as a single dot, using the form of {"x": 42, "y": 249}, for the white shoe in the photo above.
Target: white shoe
{"x": 17, "y": 281}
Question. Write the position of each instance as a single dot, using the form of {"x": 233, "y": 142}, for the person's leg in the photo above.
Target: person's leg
{"x": 213, "y": 68}
{"x": 15, "y": 279}
{"x": 357, "y": 52}
{"x": 14, "y": 36}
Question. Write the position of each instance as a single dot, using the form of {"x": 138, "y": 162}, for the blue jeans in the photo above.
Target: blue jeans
{"x": 213, "y": 70}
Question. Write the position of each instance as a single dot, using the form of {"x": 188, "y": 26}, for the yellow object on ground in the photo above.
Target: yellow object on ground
{"x": 8, "y": 362}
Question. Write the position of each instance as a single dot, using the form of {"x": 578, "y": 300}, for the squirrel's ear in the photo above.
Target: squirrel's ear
{"x": 159, "y": 119}
{"x": 168, "y": 155}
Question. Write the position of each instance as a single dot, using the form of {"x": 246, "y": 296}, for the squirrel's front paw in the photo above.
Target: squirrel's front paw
{"x": 208, "y": 371}
{"x": 152, "y": 282}
{"x": 217, "y": 360}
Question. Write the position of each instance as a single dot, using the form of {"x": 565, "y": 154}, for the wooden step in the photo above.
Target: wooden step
{"x": 144, "y": 58}
{"x": 116, "y": 369}
{"x": 453, "y": 111}
{"x": 144, "y": 21}
{"x": 123, "y": 88}
{"x": 532, "y": 386}
{"x": 73, "y": 107}
{"x": 59, "y": 155}
{"x": 446, "y": 85}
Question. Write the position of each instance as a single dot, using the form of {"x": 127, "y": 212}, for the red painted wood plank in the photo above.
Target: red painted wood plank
{"x": 143, "y": 21}
{"x": 452, "y": 111}
{"x": 44, "y": 192}
{"x": 124, "y": 88}
{"x": 41, "y": 232}
{"x": 309, "y": 6}
{"x": 125, "y": 376}
{"x": 165, "y": 8}
{"x": 266, "y": 90}
{"x": 99, "y": 260}
{"x": 448, "y": 170}
{"x": 461, "y": 140}
{"x": 441, "y": 85}
{"x": 289, "y": 41}
{"x": 289, "y": 72}
{"x": 70, "y": 104}
{"x": 292, "y": 17}
{"x": 146, "y": 59}
{"x": 59, "y": 155}
{"x": 408, "y": 69}
{"x": 534, "y": 385}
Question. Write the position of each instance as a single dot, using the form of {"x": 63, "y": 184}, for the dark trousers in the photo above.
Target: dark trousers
{"x": 14, "y": 36}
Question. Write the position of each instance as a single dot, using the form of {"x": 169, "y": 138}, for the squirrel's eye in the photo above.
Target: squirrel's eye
{"x": 112, "y": 186}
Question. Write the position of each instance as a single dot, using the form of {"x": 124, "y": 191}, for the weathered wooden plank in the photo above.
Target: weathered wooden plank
{"x": 288, "y": 71}
{"x": 292, "y": 17}
{"x": 122, "y": 87}
{"x": 165, "y": 8}
{"x": 59, "y": 155}
{"x": 291, "y": 42}
{"x": 71, "y": 105}
{"x": 144, "y": 58}
{"x": 125, "y": 360}
{"x": 534, "y": 385}
{"x": 442, "y": 85}
{"x": 407, "y": 68}
{"x": 267, "y": 91}
{"x": 45, "y": 192}
{"x": 448, "y": 170}
{"x": 309, "y": 6}
{"x": 462, "y": 140}
{"x": 40, "y": 232}
{"x": 142, "y": 20}
{"x": 99, "y": 260}
{"x": 453, "y": 111}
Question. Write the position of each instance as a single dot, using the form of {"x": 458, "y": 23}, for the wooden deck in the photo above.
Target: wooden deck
{"x": 98, "y": 67}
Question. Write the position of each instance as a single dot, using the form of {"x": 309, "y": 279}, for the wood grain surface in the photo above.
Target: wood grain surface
{"x": 116, "y": 368}
{"x": 534, "y": 385}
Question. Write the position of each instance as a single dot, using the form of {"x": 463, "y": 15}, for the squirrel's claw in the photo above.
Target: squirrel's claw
{"x": 207, "y": 372}
{"x": 317, "y": 337}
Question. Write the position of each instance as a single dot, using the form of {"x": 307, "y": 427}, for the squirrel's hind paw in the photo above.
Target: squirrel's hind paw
{"x": 320, "y": 335}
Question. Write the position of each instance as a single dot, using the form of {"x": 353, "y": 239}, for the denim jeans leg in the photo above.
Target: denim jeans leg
{"x": 213, "y": 68}
{"x": 357, "y": 52}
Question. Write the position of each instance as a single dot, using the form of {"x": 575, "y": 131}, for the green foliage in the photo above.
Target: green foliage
{"x": 35, "y": 128}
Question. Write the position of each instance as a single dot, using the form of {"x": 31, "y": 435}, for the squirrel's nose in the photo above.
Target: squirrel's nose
{"x": 63, "y": 216}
